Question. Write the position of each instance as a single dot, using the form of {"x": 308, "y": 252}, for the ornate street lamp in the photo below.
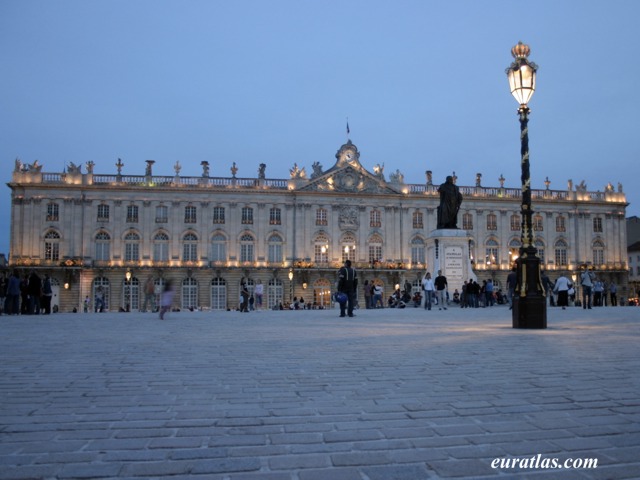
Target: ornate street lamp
{"x": 529, "y": 306}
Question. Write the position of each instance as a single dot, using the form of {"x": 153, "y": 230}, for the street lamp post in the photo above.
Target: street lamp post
{"x": 290, "y": 285}
{"x": 529, "y": 306}
{"x": 127, "y": 298}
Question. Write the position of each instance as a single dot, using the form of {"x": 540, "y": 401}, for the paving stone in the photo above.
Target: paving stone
{"x": 273, "y": 396}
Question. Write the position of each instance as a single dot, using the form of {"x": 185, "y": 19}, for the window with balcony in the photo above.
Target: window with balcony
{"x": 103, "y": 213}
{"x": 52, "y": 246}
{"x": 161, "y": 247}
{"x": 131, "y": 247}
{"x": 274, "y": 246}
{"x": 103, "y": 247}
{"x": 515, "y": 223}
{"x": 538, "y": 223}
{"x": 247, "y": 216}
{"x": 218, "y": 215}
{"x": 190, "y": 248}
{"x": 275, "y": 216}
{"x": 418, "y": 220}
{"x": 162, "y": 214}
{"x": 132, "y": 214}
{"x": 53, "y": 211}
{"x": 321, "y": 217}
{"x": 560, "y": 224}
{"x": 467, "y": 221}
{"x": 597, "y": 225}
{"x": 190, "y": 214}
{"x": 492, "y": 222}
{"x": 375, "y": 219}
{"x": 561, "y": 253}
{"x": 247, "y": 246}
{"x": 218, "y": 248}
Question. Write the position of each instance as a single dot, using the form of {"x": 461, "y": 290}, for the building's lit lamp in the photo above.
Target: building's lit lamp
{"x": 304, "y": 285}
{"x": 66, "y": 285}
{"x": 290, "y": 274}
{"x": 128, "y": 275}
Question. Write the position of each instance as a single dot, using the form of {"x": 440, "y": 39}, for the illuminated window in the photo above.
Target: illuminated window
{"x": 321, "y": 249}
{"x": 491, "y": 252}
{"x": 539, "y": 244}
{"x": 598, "y": 252}
{"x": 52, "y": 246}
{"x": 375, "y": 248}
{"x": 218, "y": 248}
{"x": 417, "y": 251}
{"x": 348, "y": 246}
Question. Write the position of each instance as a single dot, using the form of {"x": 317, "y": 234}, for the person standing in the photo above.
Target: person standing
{"x": 613, "y": 293}
{"x": 3, "y": 293}
{"x": 488, "y": 293}
{"x": 512, "y": 279}
{"x": 347, "y": 284}
{"x": 13, "y": 294}
{"x": 586, "y": 280}
{"x": 99, "y": 302}
{"x": 244, "y": 294}
{"x": 562, "y": 287}
{"x": 34, "y": 288}
{"x": 367, "y": 294}
{"x": 428, "y": 287}
{"x": 377, "y": 292}
{"x": 258, "y": 292}
{"x": 47, "y": 294}
{"x": 149, "y": 295}
{"x": 166, "y": 299}
{"x": 441, "y": 290}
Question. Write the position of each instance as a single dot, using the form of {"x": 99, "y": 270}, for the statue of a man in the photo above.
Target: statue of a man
{"x": 450, "y": 201}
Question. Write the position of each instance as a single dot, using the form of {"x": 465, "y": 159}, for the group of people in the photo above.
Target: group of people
{"x": 27, "y": 295}
{"x": 595, "y": 292}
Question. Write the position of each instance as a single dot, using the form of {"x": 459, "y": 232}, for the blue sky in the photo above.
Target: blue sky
{"x": 422, "y": 83}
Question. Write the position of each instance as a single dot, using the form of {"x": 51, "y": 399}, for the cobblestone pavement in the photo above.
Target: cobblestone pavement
{"x": 306, "y": 395}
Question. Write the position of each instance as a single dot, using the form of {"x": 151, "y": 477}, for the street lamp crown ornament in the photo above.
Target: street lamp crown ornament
{"x": 522, "y": 74}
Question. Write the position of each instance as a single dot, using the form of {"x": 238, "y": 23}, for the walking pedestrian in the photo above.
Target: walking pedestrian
{"x": 166, "y": 298}
{"x": 441, "y": 290}
{"x": 428, "y": 287}
{"x": 347, "y": 284}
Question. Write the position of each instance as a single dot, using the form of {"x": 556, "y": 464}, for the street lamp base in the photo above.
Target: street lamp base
{"x": 530, "y": 312}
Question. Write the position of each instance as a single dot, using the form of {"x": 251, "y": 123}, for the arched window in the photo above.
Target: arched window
{"x": 322, "y": 293}
{"x": 275, "y": 293}
{"x": 52, "y": 246}
{"x": 561, "y": 252}
{"x": 491, "y": 252}
{"x": 247, "y": 246}
{"x": 190, "y": 247}
{"x": 348, "y": 246}
{"x": 417, "y": 251}
{"x": 218, "y": 248}
{"x": 189, "y": 293}
{"x": 514, "y": 249}
{"x": 131, "y": 247}
{"x": 321, "y": 248}
{"x": 274, "y": 246}
{"x": 161, "y": 247}
{"x": 100, "y": 288}
{"x": 598, "y": 252}
{"x": 130, "y": 294}
{"x": 103, "y": 247}
{"x": 375, "y": 248}
{"x": 218, "y": 294}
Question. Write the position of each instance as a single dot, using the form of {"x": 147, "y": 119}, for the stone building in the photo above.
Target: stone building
{"x": 89, "y": 230}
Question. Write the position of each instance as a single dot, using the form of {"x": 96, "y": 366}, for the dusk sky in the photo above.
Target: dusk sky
{"x": 422, "y": 83}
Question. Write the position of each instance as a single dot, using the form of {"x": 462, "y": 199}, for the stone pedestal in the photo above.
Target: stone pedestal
{"x": 448, "y": 250}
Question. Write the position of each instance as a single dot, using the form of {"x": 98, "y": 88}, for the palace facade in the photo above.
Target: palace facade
{"x": 114, "y": 231}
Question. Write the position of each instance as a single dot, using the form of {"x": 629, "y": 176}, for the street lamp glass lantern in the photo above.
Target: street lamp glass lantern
{"x": 522, "y": 74}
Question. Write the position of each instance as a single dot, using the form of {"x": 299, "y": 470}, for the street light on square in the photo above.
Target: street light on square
{"x": 529, "y": 306}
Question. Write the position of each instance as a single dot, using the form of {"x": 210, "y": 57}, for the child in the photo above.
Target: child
{"x": 166, "y": 299}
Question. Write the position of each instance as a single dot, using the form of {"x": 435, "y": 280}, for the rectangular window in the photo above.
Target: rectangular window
{"x": 375, "y": 221}
{"x": 467, "y": 221}
{"x": 321, "y": 217}
{"x": 274, "y": 216}
{"x": 597, "y": 225}
{"x": 598, "y": 256}
{"x": 375, "y": 253}
{"x": 51, "y": 251}
{"x": 515, "y": 223}
{"x": 190, "y": 214}
{"x": 492, "y": 222}
{"x": 131, "y": 252}
{"x": 417, "y": 220}
{"x": 560, "y": 227}
{"x": 162, "y": 214}
{"x": 275, "y": 253}
{"x": 103, "y": 213}
{"x": 247, "y": 215}
{"x": 538, "y": 224}
{"x": 246, "y": 252}
{"x": 190, "y": 252}
{"x": 132, "y": 214}
{"x": 561, "y": 256}
{"x": 417, "y": 254}
{"x": 52, "y": 212}
{"x": 321, "y": 255}
{"x": 218, "y": 215}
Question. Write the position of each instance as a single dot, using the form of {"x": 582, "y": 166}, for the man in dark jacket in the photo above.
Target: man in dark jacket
{"x": 347, "y": 284}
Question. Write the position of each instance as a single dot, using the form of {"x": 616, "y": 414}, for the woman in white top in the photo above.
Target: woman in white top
{"x": 562, "y": 289}
{"x": 428, "y": 287}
